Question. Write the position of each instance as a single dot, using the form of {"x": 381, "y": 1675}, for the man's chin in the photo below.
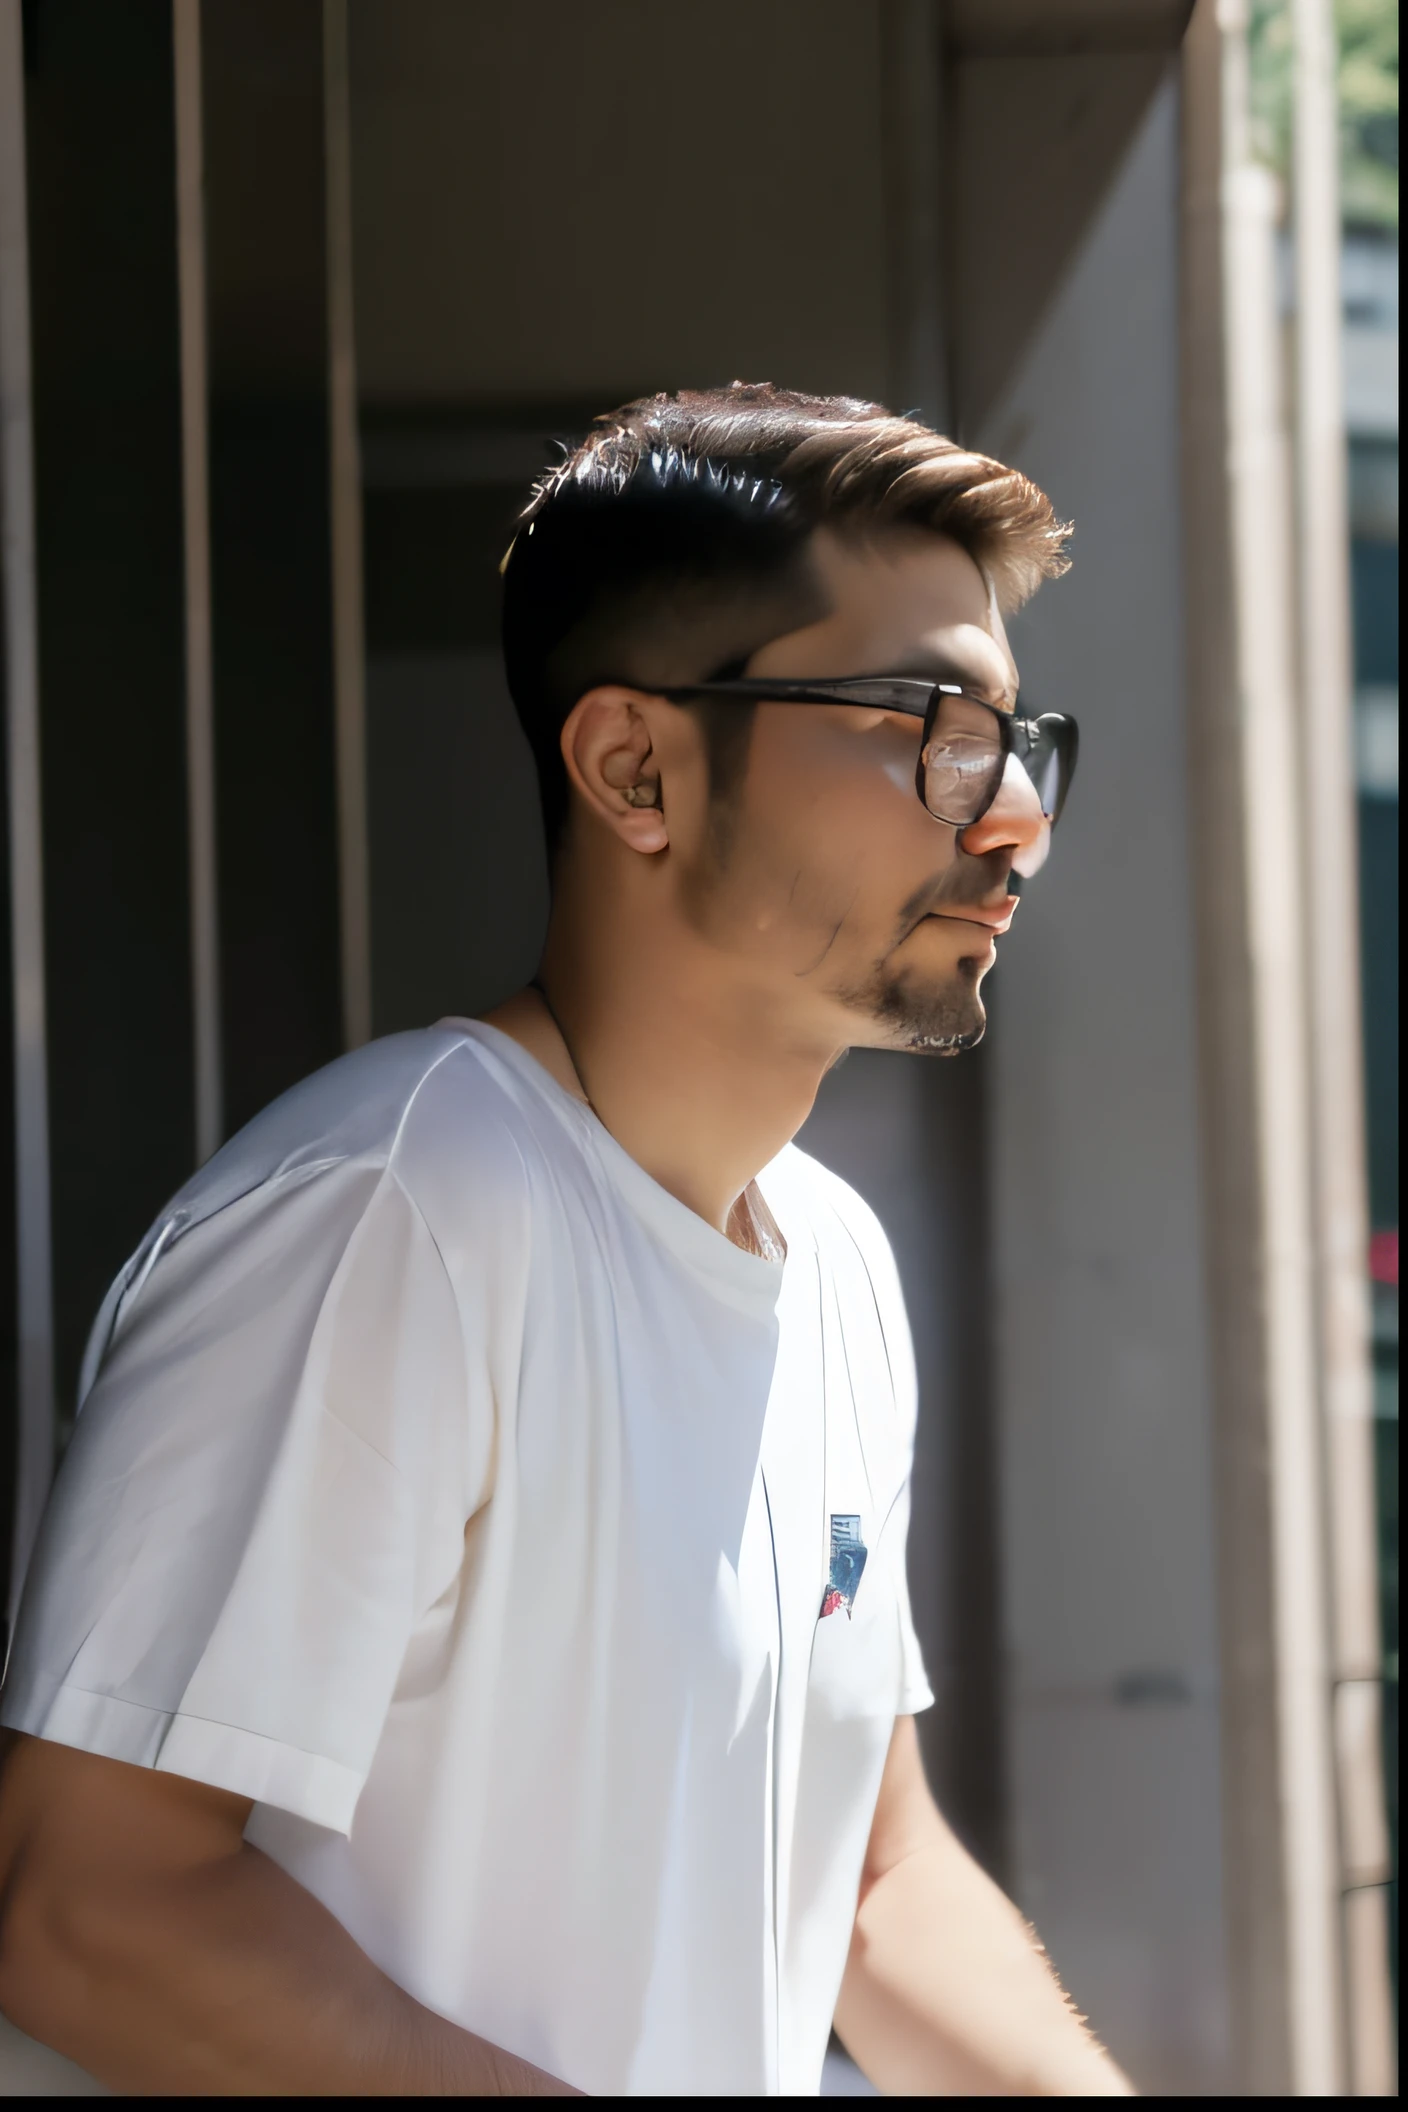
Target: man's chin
{"x": 926, "y": 1022}
{"x": 926, "y": 1042}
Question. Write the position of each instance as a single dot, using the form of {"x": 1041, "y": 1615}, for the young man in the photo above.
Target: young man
{"x": 469, "y": 1648}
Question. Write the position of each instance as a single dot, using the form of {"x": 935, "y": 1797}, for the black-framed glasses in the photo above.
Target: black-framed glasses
{"x": 966, "y": 740}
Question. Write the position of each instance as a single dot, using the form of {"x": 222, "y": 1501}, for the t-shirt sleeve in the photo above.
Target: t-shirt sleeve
{"x": 915, "y": 1690}
{"x": 267, "y": 1487}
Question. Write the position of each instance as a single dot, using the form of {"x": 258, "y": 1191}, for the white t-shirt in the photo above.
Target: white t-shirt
{"x": 450, "y": 1489}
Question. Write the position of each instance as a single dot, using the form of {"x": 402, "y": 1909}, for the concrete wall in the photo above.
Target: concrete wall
{"x": 1099, "y": 1304}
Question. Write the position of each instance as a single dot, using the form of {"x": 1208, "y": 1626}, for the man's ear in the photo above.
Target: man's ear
{"x": 612, "y": 767}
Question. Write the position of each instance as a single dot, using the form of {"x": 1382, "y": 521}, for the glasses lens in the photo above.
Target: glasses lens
{"x": 962, "y": 761}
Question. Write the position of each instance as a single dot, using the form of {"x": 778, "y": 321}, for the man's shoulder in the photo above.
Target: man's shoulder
{"x": 432, "y": 1101}
{"x": 433, "y": 1113}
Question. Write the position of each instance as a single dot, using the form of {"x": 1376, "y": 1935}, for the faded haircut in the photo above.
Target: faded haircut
{"x": 672, "y": 544}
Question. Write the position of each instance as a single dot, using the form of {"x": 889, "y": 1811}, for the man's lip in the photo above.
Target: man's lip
{"x": 995, "y": 920}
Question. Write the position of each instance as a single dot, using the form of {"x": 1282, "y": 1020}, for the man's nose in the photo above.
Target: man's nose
{"x": 1013, "y": 823}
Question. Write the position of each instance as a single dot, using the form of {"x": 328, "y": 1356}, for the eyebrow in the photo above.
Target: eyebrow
{"x": 935, "y": 667}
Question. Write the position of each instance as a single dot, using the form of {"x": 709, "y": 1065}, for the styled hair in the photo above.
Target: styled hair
{"x": 671, "y": 544}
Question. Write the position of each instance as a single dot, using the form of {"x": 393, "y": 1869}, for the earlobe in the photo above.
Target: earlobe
{"x": 647, "y": 833}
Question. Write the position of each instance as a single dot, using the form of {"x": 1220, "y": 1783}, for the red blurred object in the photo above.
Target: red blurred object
{"x": 1383, "y": 1257}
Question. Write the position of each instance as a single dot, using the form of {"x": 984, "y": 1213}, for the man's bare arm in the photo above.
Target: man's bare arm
{"x": 947, "y": 1991}
{"x": 141, "y": 1936}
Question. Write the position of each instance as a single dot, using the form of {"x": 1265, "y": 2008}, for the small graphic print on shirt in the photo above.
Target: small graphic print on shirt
{"x": 848, "y": 1553}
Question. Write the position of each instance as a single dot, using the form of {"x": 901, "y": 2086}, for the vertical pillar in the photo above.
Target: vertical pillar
{"x": 101, "y": 161}
{"x": 1335, "y": 1013}
{"x": 276, "y": 740}
{"x": 34, "y": 1434}
{"x": 349, "y": 660}
{"x": 195, "y": 491}
{"x": 1282, "y": 1873}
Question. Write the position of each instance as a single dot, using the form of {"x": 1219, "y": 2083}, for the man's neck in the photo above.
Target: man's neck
{"x": 692, "y": 1070}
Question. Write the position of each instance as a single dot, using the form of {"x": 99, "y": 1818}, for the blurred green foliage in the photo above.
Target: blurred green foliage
{"x": 1368, "y": 39}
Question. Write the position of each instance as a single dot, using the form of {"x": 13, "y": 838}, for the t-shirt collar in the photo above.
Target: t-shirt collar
{"x": 748, "y": 1279}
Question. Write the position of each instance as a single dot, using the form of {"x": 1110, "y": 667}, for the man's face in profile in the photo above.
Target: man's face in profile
{"x": 856, "y": 908}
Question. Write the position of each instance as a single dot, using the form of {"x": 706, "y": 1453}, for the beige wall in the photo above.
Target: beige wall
{"x": 1100, "y": 1303}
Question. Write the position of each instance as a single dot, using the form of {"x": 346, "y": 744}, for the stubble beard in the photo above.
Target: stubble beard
{"x": 942, "y": 1022}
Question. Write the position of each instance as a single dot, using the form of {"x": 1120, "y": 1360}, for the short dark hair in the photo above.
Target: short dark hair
{"x": 671, "y": 544}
